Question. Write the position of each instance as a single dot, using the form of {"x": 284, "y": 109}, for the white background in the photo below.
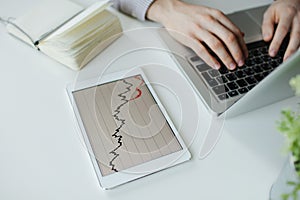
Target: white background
{"x": 42, "y": 155}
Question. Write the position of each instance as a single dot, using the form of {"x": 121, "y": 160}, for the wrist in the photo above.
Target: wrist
{"x": 160, "y": 10}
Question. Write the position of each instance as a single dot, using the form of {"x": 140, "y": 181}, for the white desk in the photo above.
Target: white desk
{"x": 42, "y": 157}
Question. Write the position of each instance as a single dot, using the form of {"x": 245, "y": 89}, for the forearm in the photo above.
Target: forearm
{"x": 163, "y": 10}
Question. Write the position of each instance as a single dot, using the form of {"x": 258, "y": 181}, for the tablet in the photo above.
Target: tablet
{"x": 125, "y": 128}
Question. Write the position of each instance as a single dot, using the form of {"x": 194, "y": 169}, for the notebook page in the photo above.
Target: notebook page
{"x": 85, "y": 15}
{"x": 46, "y": 17}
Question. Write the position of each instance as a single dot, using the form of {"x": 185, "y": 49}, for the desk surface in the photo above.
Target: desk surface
{"x": 42, "y": 156}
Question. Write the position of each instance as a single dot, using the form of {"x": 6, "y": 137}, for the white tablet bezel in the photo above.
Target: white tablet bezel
{"x": 121, "y": 177}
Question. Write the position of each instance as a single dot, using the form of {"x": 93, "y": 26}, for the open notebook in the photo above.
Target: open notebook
{"x": 66, "y": 31}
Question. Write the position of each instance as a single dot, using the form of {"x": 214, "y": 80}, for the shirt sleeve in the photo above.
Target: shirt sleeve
{"x": 135, "y": 8}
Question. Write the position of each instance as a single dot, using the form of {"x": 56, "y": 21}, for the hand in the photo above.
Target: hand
{"x": 286, "y": 15}
{"x": 197, "y": 26}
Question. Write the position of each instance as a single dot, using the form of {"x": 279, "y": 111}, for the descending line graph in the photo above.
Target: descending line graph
{"x": 121, "y": 125}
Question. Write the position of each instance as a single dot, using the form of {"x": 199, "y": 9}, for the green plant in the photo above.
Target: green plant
{"x": 295, "y": 84}
{"x": 289, "y": 126}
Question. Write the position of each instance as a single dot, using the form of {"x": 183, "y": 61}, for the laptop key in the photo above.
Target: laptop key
{"x": 240, "y": 74}
{"x": 243, "y": 90}
{"x": 256, "y": 52}
{"x": 219, "y": 89}
{"x": 258, "y": 60}
{"x": 259, "y": 77}
{"x": 250, "y": 62}
{"x": 223, "y": 70}
{"x": 274, "y": 64}
{"x": 249, "y": 71}
{"x": 203, "y": 67}
{"x": 266, "y": 58}
{"x": 223, "y": 96}
{"x": 230, "y": 77}
{"x": 211, "y": 82}
{"x": 266, "y": 73}
{"x": 264, "y": 50}
{"x": 233, "y": 93}
{"x": 250, "y": 80}
{"x": 257, "y": 69}
{"x": 242, "y": 83}
{"x": 213, "y": 73}
{"x": 266, "y": 66}
{"x": 222, "y": 79}
{"x": 250, "y": 87}
{"x": 232, "y": 86}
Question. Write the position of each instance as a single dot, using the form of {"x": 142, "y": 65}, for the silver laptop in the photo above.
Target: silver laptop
{"x": 261, "y": 81}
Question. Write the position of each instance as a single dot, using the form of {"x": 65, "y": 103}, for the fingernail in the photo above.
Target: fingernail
{"x": 241, "y": 63}
{"x": 217, "y": 66}
{"x": 272, "y": 52}
{"x": 231, "y": 66}
{"x": 266, "y": 35}
{"x": 285, "y": 58}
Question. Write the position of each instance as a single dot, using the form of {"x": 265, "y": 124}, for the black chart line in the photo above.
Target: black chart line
{"x": 117, "y": 130}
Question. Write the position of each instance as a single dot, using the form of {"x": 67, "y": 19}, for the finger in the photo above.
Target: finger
{"x": 268, "y": 26}
{"x": 281, "y": 31}
{"x": 231, "y": 42}
{"x": 294, "y": 42}
{"x": 203, "y": 53}
{"x": 217, "y": 46}
{"x": 223, "y": 19}
{"x": 191, "y": 41}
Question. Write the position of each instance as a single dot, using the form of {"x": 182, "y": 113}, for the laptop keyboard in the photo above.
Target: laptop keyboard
{"x": 226, "y": 84}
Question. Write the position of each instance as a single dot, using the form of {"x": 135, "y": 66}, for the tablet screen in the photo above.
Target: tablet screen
{"x": 124, "y": 125}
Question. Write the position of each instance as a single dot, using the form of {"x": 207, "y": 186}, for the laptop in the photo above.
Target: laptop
{"x": 263, "y": 80}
